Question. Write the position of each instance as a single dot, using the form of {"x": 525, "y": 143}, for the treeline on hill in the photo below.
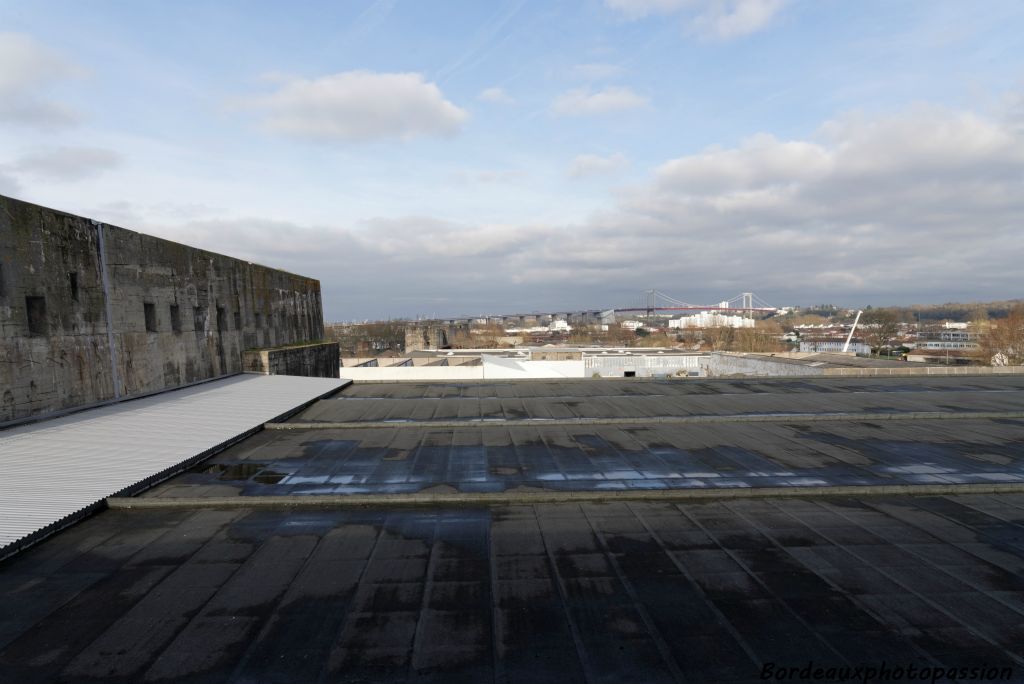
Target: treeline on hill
{"x": 925, "y": 313}
{"x": 955, "y": 311}
{"x": 764, "y": 338}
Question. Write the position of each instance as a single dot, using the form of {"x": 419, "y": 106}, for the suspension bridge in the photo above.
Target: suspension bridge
{"x": 649, "y": 302}
{"x": 656, "y": 300}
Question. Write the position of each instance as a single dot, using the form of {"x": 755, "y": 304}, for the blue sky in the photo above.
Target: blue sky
{"x": 461, "y": 157}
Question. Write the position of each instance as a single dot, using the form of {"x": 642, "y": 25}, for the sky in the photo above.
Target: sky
{"x": 466, "y": 157}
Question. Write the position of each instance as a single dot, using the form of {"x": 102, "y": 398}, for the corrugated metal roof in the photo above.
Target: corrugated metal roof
{"x": 53, "y": 470}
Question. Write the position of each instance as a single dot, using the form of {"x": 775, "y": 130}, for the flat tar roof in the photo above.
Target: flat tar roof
{"x": 607, "y": 435}
{"x": 827, "y": 360}
{"x": 565, "y": 593}
{"x": 210, "y": 582}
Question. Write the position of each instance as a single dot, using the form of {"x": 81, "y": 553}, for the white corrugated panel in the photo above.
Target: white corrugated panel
{"x": 669, "y": 361}
{"x": 57, "y": 468}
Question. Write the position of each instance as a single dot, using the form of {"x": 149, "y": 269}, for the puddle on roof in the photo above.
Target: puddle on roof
{"x": 242, "y": 471}
{"x": 269, "y": 477}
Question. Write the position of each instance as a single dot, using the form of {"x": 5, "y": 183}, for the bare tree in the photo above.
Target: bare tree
{"x": 584, "y": 335}
{"x": 1003, "y": 343}
{"x": 718, "y": 339}
{"x": 754, "y": 340}
{"x": 881, "y": 329}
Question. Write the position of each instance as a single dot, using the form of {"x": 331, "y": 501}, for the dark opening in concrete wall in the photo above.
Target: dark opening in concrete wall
{"x": 35, "y": 310}
{"x": 175, "y": 318}
{"x": 149, "y": 310}
{"x": 199, "y": 319}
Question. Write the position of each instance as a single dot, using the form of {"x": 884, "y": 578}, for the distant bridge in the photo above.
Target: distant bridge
{"x": 744, "y": 302}
{"x": 653, "y": 301}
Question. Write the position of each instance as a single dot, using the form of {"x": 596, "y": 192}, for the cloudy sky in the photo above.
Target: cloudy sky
{"x": 453, "y": 158}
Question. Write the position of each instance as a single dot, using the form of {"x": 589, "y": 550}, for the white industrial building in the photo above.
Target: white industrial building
{"x": 711, "y": 319}
{"x": 832, "y": 346}
{"x": 948, "y": 339}
{"x": 525, "y": 363}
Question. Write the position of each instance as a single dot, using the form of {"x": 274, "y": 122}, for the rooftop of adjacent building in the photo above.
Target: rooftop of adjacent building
{"x": 556, "y": 531}
{"x": 823, "y": 359}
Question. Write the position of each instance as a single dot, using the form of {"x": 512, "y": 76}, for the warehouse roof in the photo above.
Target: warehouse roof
{"x": 606, "y": 435}
{"x": 235, "y": 572}
{"x": 827, "y": 360}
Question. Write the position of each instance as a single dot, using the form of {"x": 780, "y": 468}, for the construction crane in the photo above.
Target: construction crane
{"x": 849, "y": 337}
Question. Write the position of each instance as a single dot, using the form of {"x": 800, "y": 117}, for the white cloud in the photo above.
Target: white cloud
{"x": 635, "y": 9}
{"x": 596, "y": 71}
{"x": 412, "y": 237}
{"x": 593, "y": 165}
{"x": 67, "y": 163}
{"x": 927, "y": 201}
{"x": 496, "y": 96}
{"x": 489, "y": 176}
{"x": 726, "y": 20}
{"x": 28, "y": 71}
{"x": 722, "y": 19}
{"x": 583, "y": 101}
{"x": 922, "y": 205}
{"x": 760, "y": 161}
{"x": 8, "y": 184}
{"x": 1013, "y": 110}
{"x": 359, "y": 106}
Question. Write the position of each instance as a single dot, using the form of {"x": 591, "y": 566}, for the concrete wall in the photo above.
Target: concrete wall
{"x": 493, "y": 368}
{"x": 721, "y": 365}
{"x": 643, "y": 366}
{"x": 413, "y": 373}
{"x": 433, "y": 335}
{"x": 426, "y": 337}
{"x": 555, "y": 355}
{"x": 499, "y": 368}
{"x": 924, "y": 370}
{"x": 718, "y": 365}
{"x": 319, "y": 360}
{"x": 91, "y": 312}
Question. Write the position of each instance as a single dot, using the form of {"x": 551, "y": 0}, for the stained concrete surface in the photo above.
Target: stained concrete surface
{"x": 598, "y": 592}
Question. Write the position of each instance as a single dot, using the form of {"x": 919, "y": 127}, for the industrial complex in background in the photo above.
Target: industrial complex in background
{"x": 659, "y": 341}
{"x": 204, "y": 482}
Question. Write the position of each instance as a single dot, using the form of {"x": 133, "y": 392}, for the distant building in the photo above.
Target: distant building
{"x": 432, "y": 335}
{"x": 957, "y": 357}
{"x": 948, "y": 339}
{"x": 834, "y": 345}
{"x": 711, "y": 319}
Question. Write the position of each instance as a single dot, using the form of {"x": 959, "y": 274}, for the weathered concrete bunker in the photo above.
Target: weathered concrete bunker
{"x": 90, "y": 312}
